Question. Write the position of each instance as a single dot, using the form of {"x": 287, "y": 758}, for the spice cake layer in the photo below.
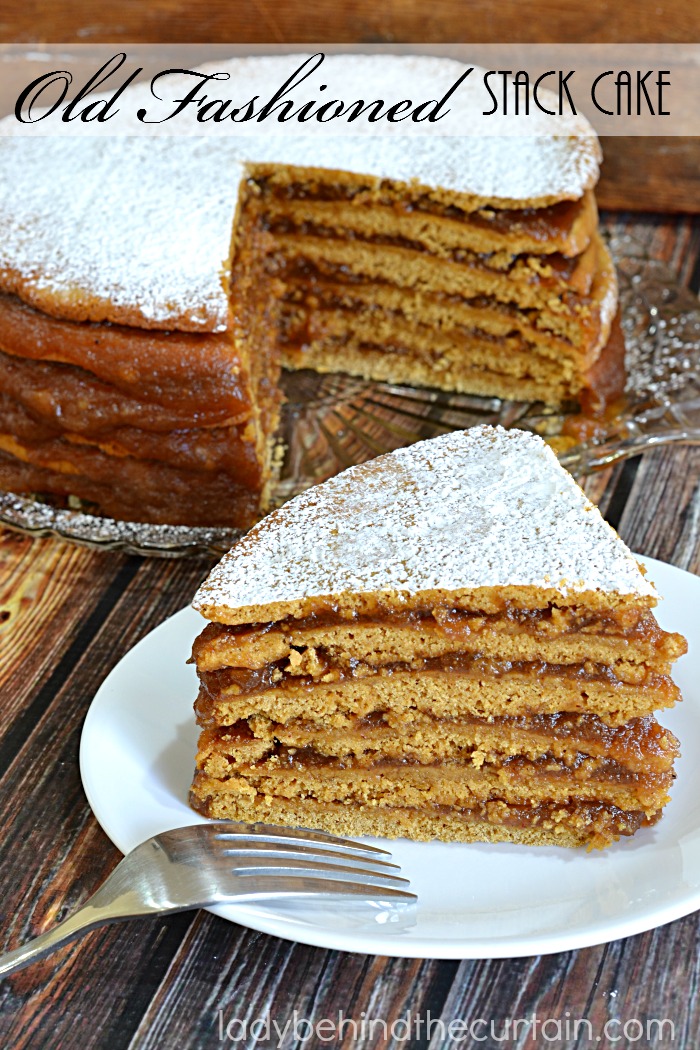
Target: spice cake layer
{"x": 156, "y": 286}
{"x": 447, "y": 642}
{"x": 593, "y": 825}
{"x": 454, "y": 782}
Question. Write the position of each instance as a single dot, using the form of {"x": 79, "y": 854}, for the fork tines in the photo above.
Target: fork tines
{"x": 335, "y": 864}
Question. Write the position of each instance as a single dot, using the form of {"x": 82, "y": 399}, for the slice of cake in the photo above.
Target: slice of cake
{"x": 447, "y": 642}
{"x": 150, "y": 289}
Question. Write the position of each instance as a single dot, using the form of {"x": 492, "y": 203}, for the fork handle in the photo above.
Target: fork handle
{"x": 99, "y": 910}
{"x": 84, "y": 919}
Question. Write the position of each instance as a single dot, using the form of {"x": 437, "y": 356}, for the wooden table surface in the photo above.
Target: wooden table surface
{"x": 67, "y": 615}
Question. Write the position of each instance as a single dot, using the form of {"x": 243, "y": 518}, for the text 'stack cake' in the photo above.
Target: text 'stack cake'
{"x": 448, "y": 642}
{"x": 151, "y": 289}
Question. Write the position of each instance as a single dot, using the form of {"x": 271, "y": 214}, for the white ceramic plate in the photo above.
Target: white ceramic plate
{"x": 475, "y": 901}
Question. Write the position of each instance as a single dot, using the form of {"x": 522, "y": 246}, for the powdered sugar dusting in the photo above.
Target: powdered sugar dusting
{"x": 139, "y": 229}
{"x": 142, "y": 225}
{"x": 483, "y": 507}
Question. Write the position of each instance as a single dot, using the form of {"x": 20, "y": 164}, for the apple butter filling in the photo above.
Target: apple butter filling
{"x": 318, "y": 711}
{"x": 573, "y": 823}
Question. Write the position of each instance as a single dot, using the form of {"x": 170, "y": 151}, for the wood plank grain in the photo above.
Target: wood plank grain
{"x": 666, "y": 478}
{"x": 36, "y": 584}
{"x": 29, "y": 691}
{"x": 259, "y": 978}
{"x": 361, "y": 21}
{"x": 574, "y": 995}
{"x": 55, "y": 854}
{"x": 650, "y": 174}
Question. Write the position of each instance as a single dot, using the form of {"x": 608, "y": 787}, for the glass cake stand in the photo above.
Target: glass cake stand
{"x": 330, "y": 422}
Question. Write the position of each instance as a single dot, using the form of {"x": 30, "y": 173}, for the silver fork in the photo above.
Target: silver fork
{"x": 223, "y": 862}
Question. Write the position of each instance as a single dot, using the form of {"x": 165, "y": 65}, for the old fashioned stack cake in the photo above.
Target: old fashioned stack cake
{"x": 447, "y": 642}
{"x": 151, "y": 288}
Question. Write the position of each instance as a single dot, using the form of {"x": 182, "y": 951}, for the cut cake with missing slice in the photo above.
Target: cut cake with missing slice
{"x": 151, "y": 289}
{"x": 447, "y": 642}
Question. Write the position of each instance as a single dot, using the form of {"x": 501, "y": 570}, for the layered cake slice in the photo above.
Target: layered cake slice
{"x": 447, "y": 642}
{"x": 151, "y": 289}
